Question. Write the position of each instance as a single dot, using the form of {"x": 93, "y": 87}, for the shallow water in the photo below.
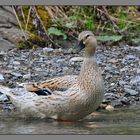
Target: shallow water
{"x": 121, "y": 121}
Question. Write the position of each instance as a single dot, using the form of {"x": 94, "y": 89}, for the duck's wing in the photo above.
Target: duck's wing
{"x": 59, "y": 83}
{"x": 32, "y": 105}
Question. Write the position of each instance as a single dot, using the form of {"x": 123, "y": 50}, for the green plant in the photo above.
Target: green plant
{"x": 107, "y": 38}
{"x": 57, "y": 32}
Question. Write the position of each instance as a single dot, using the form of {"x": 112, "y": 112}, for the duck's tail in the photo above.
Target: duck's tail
{"x": 7, "y": 91}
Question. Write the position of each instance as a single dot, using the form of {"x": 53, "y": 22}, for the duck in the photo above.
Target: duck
{"x": 66, "y": 98}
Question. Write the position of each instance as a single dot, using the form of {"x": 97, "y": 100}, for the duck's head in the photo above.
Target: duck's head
{"x": 88, "y": 42}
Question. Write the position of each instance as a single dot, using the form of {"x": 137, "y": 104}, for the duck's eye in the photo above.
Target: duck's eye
{"x": 87, "y": 36}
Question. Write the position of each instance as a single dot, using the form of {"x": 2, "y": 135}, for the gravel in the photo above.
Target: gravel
{"x": 120, "y": 67}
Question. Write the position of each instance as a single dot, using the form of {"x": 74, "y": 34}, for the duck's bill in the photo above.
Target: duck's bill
{"x": 78, "y": 47}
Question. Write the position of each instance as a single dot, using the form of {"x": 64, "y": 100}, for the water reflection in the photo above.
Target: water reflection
{"x": 125, "y": 121}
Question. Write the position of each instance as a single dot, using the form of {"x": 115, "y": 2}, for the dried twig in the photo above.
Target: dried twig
{"x": 29, "y": 12}
{"x": 23, "y": 16}
{"x": 19, "y": 23}
{"x": 55, "y": 12}
{"x": 110, "y": 17}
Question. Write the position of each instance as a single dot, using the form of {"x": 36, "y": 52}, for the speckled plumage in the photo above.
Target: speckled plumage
{"x": 72, "y": 97}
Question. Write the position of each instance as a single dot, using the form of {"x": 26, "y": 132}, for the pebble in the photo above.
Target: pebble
{"x": 27, "y": 76}
{"x": 1, "y": 77}
{"x": 48, "y": 50}
{"x": 108, "y": 76}
{"x": 135, "y": 80}
{"x": 116, "y": 103}
{"x": 125, "y": 100}
{"x": 112, "y": 84}
{"x": 111, "y": 69}
{"x": 113, "y": 60}
{"x": 138, "y": 71}
{"x": 131, "y": 91}
{"x": 109, "y": 108}
{"x": 16, "y": 74}
{"x": 3, "y": 98}
{"x": 16, "y": 63}
{"x": 121, "y": 83}
{"x": 76, "y": 59}
{"x": 137, "y": 48}
{"x": 60, "y": 61}
{"x": 130, "y": 57}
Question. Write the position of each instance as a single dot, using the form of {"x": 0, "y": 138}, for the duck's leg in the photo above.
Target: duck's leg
{"x": 60, "y": 83}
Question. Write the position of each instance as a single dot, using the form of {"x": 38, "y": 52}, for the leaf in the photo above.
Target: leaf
{"x": 70, "y": 25}
{"x": 57, "y": 32}
{"x": 107, "y": 38}
{"x": 136, "y": 41}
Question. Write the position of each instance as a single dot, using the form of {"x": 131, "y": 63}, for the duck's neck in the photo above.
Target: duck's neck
{"x": 88, "y": 65}
{"x": 88, "y": 73}
{"x": 89, "y": 52}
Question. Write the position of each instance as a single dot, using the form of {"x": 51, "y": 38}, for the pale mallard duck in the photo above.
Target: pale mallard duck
{"x": 68, "y": 98}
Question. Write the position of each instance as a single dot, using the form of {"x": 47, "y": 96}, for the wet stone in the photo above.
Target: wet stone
{"x": 137, "y": 48}
{"x": 27, "y": 76}
{"x": 1, "y": 77}
{"x": 113, "y": 60}
{"x": 16, "y": 74}
{"x": 121, "y": 83}
{"x": 130, "y": 57}
{"x": 16, "y": 63}
{"x": 109, "y": 108}
{"x": 76, "y": 59}
{"x": 116, "y": 103}
{"x": 48, "y": 50}
{"x": 131, "y": 91}
{"x": 3, "y": 98}
{"x": 138, "y": 71}
{"x": 125, "y": 100}
{"x": 135, "y": 80}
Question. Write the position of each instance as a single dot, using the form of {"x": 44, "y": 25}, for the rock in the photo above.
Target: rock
{"x": 123, "y": 69}
{"x": 112, "y": 84}
{"x": 130, "y": 57}
{"x": 111, "y": 69}
{"x": 5, "y": 45}
{"x": 2, "y": 53}
{"x": 127, "y": 86}
{"x": 138, "y": 71}
{"x": 7, "y": 15}
{"x": 60, "y": 61}
{"x": 113, "y": 60}
{"x": 27, "y": 76}
{"x": 130, "y": 91}
{"x": 70, "y": 50}
{"x": 16, "y": 74}
{"x": 109, "y": 108}
{"x": 121, "y": 83}
{"x": 102, "y": 106}
{"x": 135, "y": 80}
{"x": 125, "y": 100}
{"x": 76, "y": 59}
{"x": 116, "y": 103}
{"x": 16, "y": 63}
{"x": 1, "y": 77}
{"x": 3, "y": 98}
{"x": 108, "y": 76}
{"x": 137, "y": 48}
{"x": 48, "y": 50}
